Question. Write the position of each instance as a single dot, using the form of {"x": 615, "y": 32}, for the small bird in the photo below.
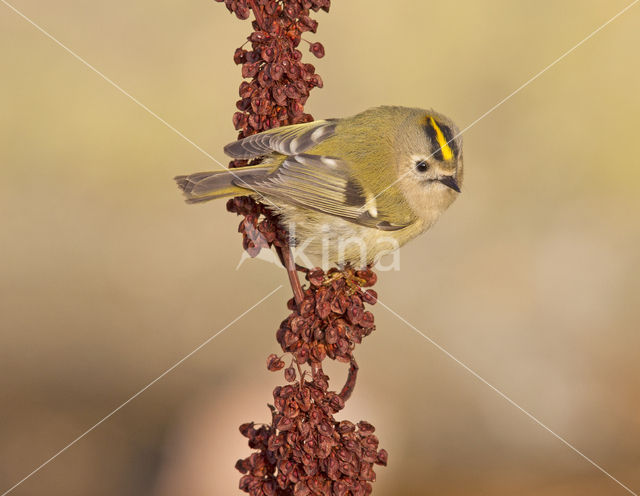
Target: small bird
{"x": 348, "y": 190}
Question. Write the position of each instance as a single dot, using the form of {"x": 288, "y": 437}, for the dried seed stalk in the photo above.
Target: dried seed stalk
{"x": 304, "y": 450}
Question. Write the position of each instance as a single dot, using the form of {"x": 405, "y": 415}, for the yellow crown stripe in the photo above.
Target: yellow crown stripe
{"x": 447, "y": 152}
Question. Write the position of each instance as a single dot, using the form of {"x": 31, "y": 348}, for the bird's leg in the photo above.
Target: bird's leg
{"x": 286, "y": 255}
{"x": 334, "y": 276}
{"x": 347, "y": 273}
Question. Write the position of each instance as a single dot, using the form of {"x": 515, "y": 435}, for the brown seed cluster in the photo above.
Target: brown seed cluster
{"x": 305, "y": 451}
{"x": 332, "y": 318}
{"x": 280, "y": 82}
{"x": 260, "y": 227}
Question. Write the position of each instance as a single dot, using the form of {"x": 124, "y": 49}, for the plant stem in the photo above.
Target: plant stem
{"x": 349, "y": 386}
{"x": 287, "y": 257}
{"x": 257, "y": 13}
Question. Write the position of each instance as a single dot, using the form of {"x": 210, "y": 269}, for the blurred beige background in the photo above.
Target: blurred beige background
{"x": 531, "y": 279}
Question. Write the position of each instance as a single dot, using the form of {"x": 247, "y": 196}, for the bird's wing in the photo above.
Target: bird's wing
{"x": 323, "y": 184}
{"x": 287, "y": 140}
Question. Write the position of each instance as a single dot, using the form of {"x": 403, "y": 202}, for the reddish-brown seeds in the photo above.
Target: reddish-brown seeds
{"x": 317, "y": 49}
{"x": 303, "y": 450}
{"x": 274, "y": 363}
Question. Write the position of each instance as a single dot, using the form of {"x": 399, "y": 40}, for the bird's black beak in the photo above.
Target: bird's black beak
{"x": 450, "y": 182}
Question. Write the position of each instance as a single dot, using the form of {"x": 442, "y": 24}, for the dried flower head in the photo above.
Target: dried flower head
{"x": 280, "y": 82}
{"x": 332, "y": 318}
{"x": 304, "y": 450}
{"x": 260, "y": 227}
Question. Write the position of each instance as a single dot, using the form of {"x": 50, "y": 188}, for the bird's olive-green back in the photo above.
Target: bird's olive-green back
{"x": 368, "y": 143}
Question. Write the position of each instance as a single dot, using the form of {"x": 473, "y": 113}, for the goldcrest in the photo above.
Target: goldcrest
{"x": 348, "y": 190}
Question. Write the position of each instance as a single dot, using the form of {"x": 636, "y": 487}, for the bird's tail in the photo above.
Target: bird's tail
{"x": 205, "y": 186}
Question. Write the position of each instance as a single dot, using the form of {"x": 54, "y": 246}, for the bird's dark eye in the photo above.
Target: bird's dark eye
{"x": 422, "y": 166}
